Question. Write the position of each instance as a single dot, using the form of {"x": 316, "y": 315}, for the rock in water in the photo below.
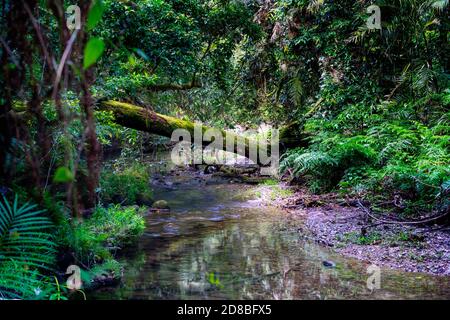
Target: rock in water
{"x": 161, "y": 204}
{"x": 210, "y": 169}
{"x": 328, "y": 264}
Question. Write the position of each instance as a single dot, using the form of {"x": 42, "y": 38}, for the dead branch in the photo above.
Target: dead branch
{"x": 408, "y": 222}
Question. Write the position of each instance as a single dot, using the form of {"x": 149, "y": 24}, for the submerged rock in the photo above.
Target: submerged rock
{"x": 161, "y": 204}
{"x": 210, "y": 169}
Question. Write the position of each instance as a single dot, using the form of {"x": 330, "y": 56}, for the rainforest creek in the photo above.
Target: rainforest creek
{"x": 96, "y": 97}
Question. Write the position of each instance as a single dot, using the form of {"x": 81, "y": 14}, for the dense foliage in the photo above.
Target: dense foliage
{"x": 374, "y": 104}
{"x": 376, "y": 101}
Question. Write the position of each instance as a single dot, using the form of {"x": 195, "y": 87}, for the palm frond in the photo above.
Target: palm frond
{"x": 26, "y": 249}
{"x": 439, "y": 5}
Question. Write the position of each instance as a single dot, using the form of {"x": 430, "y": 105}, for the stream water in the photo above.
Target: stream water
{"x": 218, "y": 243}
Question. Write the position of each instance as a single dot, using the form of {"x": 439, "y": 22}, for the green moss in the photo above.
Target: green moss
{"x": 279, "y": 192}
{"x": 269, "y": 182}
{"x": 357, "y": 238}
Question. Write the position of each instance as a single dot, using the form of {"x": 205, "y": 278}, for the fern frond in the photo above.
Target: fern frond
{"x": 296, "y": 91}
{"x": 440, "y": 5}
{"x": 26, "y": 249}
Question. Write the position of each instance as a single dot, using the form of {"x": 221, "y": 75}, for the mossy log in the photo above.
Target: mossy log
{"x": 142, "y": 119}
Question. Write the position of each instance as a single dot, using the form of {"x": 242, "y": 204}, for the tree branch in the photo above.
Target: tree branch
{"x": 174, "y": 86}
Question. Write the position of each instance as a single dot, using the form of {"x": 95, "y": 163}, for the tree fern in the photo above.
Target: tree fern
{"x": 26, "y": 249}
{"x": 296, "y": 91}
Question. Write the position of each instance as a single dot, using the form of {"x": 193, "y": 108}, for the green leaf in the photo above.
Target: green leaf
{"x": 95, "y": 14}
{"x": 25, "y": 256}
{"x": 141, "y": 54}
{"x": 93, "y": 50}
{"x": 63, "y": 175}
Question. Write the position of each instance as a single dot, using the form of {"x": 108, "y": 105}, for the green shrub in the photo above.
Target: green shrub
{"x": 316, "y": 167}
{"x": 127, "y": 187}
{"x": 106, "y": 231}
{"x": 120, "y": 226}
{"x": 17, "y": 282}
{"x": 417, "y": 168}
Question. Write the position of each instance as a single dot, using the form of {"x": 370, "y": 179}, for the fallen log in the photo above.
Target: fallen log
{"x": 146, "y": 120}
{"x": 143, "y": 119}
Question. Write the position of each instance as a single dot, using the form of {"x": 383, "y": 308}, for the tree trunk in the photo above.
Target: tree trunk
{"x": 142, "y": 119}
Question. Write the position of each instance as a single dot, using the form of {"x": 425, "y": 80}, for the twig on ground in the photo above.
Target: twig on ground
{"x": 413, "y": 222}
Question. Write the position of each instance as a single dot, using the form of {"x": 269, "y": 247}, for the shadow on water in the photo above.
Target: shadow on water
{"x": 216, "y": 243}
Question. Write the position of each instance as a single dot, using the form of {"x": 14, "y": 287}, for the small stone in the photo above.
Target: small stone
{"x": 160, "y": 204}
{"x": 328, "y": 264}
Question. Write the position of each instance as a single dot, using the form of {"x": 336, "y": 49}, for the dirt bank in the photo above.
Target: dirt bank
{"x": 343, "y": 228}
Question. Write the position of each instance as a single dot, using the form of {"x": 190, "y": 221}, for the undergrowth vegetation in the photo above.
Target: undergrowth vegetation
{"x": 98, "y": 238}
{"x": 374, "y": 104}
{"x": 398, "y": 157}
{"x": 379, "y": 125}
{"x": 126, "y": 186}
{"x": 29, "y": 246}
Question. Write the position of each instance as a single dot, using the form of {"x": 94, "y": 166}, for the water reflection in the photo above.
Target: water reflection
{"x": 211, "y": 246}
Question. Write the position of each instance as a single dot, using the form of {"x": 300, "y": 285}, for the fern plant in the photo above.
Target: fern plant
{"x": 324, "y": 168}
{"x": 26, "y": 251}
{"x": 316, "y": 167}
